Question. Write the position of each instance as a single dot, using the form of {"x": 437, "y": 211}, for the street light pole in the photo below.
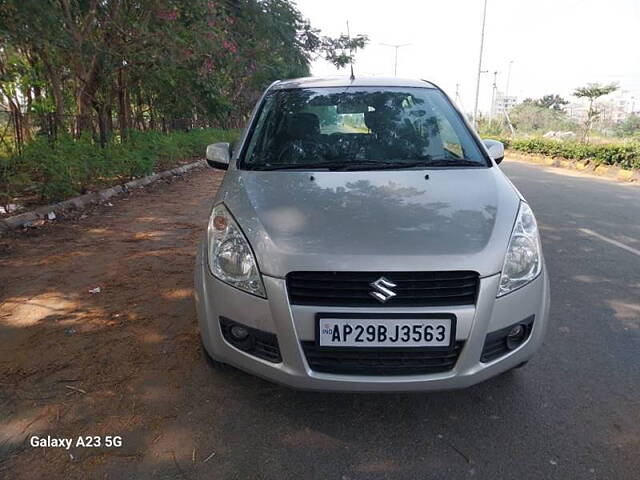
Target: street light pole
{"x": 458, "y": 101}
{"x": 494, "y": 92}
{"x": 475, "y": 107}
{"x": 506, "y": 92}
{"x": 395, "y": 63}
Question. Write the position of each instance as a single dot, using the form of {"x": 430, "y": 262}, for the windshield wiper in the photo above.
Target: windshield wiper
{"x": 425, "y": 162}
{"x": 374, "y": 165}
{"x": 343, "y": 165}
{"x": 307, "y": 166}
{"x": 379, "y": 165}
{"x": 451, "y": 162}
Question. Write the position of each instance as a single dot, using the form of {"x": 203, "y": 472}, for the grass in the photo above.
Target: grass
{"x": 52, "y": 172}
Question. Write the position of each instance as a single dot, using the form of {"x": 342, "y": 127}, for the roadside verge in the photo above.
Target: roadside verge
{"x": 608, "y": 171}
{"x": 60, "y": 209}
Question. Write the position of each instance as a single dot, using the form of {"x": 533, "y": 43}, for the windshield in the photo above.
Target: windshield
{"x": 359, "y": 128}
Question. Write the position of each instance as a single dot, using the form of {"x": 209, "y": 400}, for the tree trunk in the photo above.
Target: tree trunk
{"x": 26, "y": 118}
{"x": 103, "y": 128}
{"x": 109, "y": 114}
{"x": 127, "y": 107}
{"x": 122, "y": 107}
{"x": 140, "y": 112}
{"x": 85, "y": 100}
{"x": 152, "y": 116}
{"x": 55, "y": 86}
{"x": 588, "y": 123}
{"x": 16, "y": 115}
{"x": 83, "y": 121}
{"x": 89, "y": 80}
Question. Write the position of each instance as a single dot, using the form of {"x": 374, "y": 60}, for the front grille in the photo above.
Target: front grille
{"x": 495, "y": 344}
{"x": 381, "y": 362}
{"x": 353, "y": 289}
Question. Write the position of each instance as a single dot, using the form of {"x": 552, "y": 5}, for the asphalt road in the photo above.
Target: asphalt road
{"x": 572, "y": 413}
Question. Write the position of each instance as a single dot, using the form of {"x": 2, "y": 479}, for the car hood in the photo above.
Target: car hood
{"x": 456, "y": 219}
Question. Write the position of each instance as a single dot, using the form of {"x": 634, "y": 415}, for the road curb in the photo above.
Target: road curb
{"x": 54, "y": 210}
{"x": 587, "y": 166}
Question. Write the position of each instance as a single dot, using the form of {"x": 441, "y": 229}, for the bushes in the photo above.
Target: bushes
{"x": 69, "y": 167}
{"x": 625, "y": 155}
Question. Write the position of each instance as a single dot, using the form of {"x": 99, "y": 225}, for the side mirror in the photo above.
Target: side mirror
{"x": 218, "y": 155}
{"x": 495, "y": 149}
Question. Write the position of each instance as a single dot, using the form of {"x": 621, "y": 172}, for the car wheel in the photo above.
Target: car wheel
{"x": 212, "y": 362}
{"x": 512, "y": 370}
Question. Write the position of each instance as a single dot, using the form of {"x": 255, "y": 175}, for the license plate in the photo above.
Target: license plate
{"x": 385, "y": 332}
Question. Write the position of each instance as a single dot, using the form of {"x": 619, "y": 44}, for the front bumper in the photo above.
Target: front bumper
{"x": 293, "y": 324}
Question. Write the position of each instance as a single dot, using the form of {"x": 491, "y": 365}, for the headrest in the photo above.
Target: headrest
{"x": 376, "y": 120}
{"x": 302, "y": 125}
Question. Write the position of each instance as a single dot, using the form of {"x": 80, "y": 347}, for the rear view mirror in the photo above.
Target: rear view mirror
{"x": 218, "y": 155}
{"x": 495, "y": 149}
{"x": 351, "y": 108}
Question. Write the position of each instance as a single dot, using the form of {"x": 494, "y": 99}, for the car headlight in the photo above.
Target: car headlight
{"x": 523, "y": 261}
{"x": 229, "y": 253}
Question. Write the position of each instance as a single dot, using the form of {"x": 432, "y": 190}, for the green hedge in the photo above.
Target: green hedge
{"x": 45, "y": 172}
{"x": 626, "y": 155}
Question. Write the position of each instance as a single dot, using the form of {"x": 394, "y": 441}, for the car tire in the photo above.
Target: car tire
{"x": 212, "y": 362}
{"x": 512, "y": 370}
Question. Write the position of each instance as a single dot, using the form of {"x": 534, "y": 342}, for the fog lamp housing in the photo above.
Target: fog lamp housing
{"x": 238, "y": 332}
{"x": 516, "y": 336}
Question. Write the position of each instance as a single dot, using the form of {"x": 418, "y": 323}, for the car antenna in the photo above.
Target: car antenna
{"x": 352, "y": 77}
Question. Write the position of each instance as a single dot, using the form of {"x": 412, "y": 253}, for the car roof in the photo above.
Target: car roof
{"x": 341, "y": 81}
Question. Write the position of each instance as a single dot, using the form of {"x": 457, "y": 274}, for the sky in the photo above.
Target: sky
{"x": 555, "y": 45}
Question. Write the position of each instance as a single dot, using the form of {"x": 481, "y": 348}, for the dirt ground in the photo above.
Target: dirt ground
{"x": 127, "y": 361}
{"x": 111, "y": 363}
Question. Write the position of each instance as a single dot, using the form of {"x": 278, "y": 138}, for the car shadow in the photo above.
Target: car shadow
{"x": 127, "y": 362}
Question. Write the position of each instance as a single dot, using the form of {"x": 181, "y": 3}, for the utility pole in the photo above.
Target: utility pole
{"x": 475, "y": 107}
{"x": 513, "y": 130}
{"x": 506, "y": 93}
{"x": 494, "y": 92}
{"x": 458, "y": 100}
{"x": 506, "y": 101}
{"x": 396, "y": 47}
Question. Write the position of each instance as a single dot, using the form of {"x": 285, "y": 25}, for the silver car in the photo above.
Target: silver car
{"x": 364, "y": 239}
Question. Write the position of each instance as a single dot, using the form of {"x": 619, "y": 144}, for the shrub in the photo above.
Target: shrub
{"x": 73, "y": 166}
{"x": 626, "y": 155}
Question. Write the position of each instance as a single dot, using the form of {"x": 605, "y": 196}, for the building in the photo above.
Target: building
{"x": 577, "y": 111}
{"x": 613, "y": 108}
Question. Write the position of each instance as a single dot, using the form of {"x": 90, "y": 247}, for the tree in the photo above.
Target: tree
{"x": 592, "y": 92}
{"x": 152, "y": 64}
{"x": 551, "y": 101}
{"x": 340, "y": 51}
{"x": 531, "y": 117}
{"x": 630, "y": 126}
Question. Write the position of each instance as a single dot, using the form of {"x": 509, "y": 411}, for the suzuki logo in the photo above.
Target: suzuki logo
{"x": 382, "y": 292}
